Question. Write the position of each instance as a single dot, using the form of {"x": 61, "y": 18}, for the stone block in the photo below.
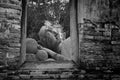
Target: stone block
{"x": 12, "y": 6}
{"x": 14, "y": 50}
{"x": 16, "y": 2}
{"x": 14, "y": 40}
{"x": 14, "y": 35}
{"x": 9, "y": 11}
{"x": 14, "y": 45}
{"x": 15, "y": 29}
{"x": 2, "y": 55}
{"x": 13, "y": 16}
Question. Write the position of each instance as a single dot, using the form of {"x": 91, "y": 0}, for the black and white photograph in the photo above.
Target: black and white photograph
{"x": 59, "y": 39}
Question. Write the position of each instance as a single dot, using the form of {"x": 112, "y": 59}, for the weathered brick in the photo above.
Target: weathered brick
{"x": 16, "y": 2}
{"x": 14, "y": 35}
{"x": 15, "y": 29}
{"x": 99, "y": 49}
{"x": 14, "y": 50}
{"x": 12, "y": 6}
{"x": 14, "y": 40}
{"x": 14, "y": 45}
{"x": 10, "y": 12}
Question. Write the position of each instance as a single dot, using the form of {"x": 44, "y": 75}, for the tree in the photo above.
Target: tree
{"x": 41, "y": 10}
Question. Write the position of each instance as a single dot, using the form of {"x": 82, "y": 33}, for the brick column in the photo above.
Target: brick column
{"x": 10, "y": 17}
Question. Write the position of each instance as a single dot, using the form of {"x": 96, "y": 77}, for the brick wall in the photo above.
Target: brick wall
{"x": 10, "y": 16}
{"x": 99, "y": 46}
{"x": 99, "y": 43}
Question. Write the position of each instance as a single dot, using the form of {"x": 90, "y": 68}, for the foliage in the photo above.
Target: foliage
{"x": 111, "y": 11}
{"x": 41, "y": 10}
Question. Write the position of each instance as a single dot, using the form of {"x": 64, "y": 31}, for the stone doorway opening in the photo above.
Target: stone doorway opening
{"x": 50, "y": 37}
